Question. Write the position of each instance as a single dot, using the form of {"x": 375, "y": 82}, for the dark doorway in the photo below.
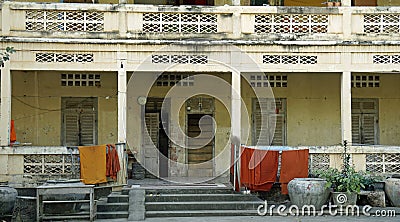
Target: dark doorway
{"x": 154, "y": 105}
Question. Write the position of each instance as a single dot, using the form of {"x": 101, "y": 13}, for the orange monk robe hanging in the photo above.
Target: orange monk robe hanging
{"x": 112, "y": 160}
{"x": 93, "y": 164}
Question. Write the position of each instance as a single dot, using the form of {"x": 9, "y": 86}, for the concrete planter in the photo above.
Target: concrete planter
{"x": 344, "y": 198}
{"x": 8, "y": 195}
{"x": 308, "y": 191}
{"x": 392, "y": 190}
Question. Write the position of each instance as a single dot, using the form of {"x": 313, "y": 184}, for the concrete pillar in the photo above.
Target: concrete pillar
{"x": 345, "y": 106}
{"x": 5, "y": 112}
{"x": 346, "y": 3}
{"x": 347, "y": 26}
{"x": 122, "y": 21}
{"x": 5, "y": 18}
{"x": 136, "y": 205}
{"x": 122, "y": 76}
{"x": 235, "y": 108}
{"x": 236, "y": 2}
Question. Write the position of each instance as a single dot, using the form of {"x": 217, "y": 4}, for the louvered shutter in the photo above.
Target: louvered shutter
{"x": 365, "y": 121}
{"x": 368, "y": 128}
{"x": 88, "y": 129}
{"x": 356, "y": 128}
{"x": 279, "y": 135}
{"x": 274, "y": 130}
{"x": 71, "y": 128}
{"x": 79, "y": 121}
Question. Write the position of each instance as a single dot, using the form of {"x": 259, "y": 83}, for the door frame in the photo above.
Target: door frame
{"x": 167, "y": 129}
{"x": 205, "y": 112}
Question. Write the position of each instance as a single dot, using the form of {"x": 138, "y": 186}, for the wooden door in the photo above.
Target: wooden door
{"x": 200, "y": 145}
{"x": 150, "y": 143}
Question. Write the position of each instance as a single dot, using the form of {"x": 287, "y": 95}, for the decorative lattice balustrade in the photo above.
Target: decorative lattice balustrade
{"x": 290, "y": 59}
{"x": 318, "y": 161}
{"x": 52, "y": 164}
{"x": 180, "y": 59}
{"x": 179, "y": 23}
{"x": 64, "y": 57}
{"x": 383, "y": 162}
{"x": 291, "y": 23}
{"x": 64, "y": 21}
{"x": 381, "y": 23}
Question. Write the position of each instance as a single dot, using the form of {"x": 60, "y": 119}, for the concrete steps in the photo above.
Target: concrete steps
{"x": 182, "y": 201}
{"x": 200, "y": 197}
{"x": 196, "y": 202}
{"x": 115, "y": 206}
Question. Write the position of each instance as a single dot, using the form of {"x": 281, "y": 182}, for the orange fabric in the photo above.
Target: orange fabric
{"x": 93, "y": 164}
{"x": 258, "y": 168}
{"x": 266, "y": 169}
{"x": 13, "y": 135}
{"x": 112, "y": 160}
{"x": 245, "y": 156}
{"x": 294, "y": 164}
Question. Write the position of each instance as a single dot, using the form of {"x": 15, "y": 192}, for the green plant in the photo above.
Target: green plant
{"x": 349, "y": 182}
{"x": 344, "y": 180}
{"x": 5, "y": 56}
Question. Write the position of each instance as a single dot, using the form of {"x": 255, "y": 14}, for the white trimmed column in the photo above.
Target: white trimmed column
{"x": 345, "y": 106}
{"x": 235, "y": 108}
{"x": 5, "y": 112}
{"x": 122, "y": 77}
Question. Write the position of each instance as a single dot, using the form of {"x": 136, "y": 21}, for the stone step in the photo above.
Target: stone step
{"x": 110, "y": 207}
{"x": 117, "y": 198}
{"x": 189, "y": 191}
{"x": 201, "y": 213}
{"x": 200, "y": 197}
{"x": 204, "y": 205}
{"x": 112, "y": 215}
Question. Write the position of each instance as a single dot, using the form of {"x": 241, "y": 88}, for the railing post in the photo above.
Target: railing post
{"x": 122, "y": 21}
{"x": 5, "y": 16}
{"x": 347, "y": 23}
{"x": 5, "y": 105}
{"x": 122, "y": 77}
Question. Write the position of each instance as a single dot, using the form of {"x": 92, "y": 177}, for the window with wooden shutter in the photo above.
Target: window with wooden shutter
{"x": 273, "y": 131}
{"x": 79, "y": 126}
{"x": 364, "y": 121}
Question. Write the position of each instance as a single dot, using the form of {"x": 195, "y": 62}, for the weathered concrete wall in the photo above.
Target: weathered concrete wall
{"x": 36, "y": 106}
{"x": 388, "y": 95}
{"x": 313, "y": 108}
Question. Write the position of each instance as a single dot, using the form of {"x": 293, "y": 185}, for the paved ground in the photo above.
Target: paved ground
{"x": 269, "y": 219}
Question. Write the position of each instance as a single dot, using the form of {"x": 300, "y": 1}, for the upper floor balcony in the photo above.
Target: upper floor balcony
{"x": 162, "y": 22}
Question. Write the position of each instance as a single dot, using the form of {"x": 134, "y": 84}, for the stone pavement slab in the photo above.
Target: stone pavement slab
{"x": 270, "y": 219}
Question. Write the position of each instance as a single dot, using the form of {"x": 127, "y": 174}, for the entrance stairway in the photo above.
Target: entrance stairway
{"x": 183, "y": 201}
{"x": 115, "y": 206}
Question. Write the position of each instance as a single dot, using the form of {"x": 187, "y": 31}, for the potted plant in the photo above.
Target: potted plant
{"x": 345, "y": 183}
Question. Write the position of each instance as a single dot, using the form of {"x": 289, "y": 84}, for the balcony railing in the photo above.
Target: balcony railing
{"x": 32, "y": 165}
{"x": 57, "y": 20}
